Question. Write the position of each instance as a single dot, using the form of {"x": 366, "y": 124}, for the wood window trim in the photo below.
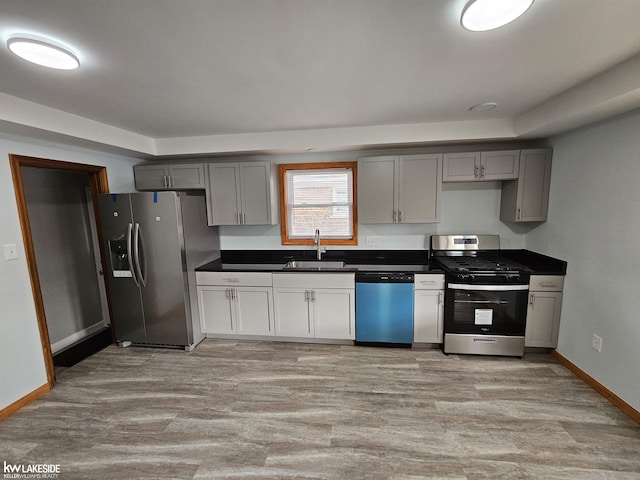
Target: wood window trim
{"x": 284, "y": 223}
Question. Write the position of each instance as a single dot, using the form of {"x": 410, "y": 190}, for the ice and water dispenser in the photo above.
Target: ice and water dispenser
{"x": 120, "y": 266}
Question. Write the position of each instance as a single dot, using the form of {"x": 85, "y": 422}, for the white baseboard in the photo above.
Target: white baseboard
{"x": 76, "y": 337}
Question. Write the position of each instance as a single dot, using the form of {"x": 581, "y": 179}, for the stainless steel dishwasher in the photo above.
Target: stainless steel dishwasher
{"x": 384, "y": 308}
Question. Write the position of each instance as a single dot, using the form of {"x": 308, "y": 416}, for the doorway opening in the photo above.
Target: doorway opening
{"x": 57, "y": 205}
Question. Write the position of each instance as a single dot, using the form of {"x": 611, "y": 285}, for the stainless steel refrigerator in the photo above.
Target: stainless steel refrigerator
{"x": 153, "y": 242}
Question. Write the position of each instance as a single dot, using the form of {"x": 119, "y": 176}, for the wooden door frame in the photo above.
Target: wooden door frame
{"x": 99, "y": 184}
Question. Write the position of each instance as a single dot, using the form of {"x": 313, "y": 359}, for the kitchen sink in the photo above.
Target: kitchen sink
{"x": 314, "y": 265}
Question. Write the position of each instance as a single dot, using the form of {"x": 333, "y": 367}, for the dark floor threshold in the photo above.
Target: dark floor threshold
{"x": 83, "y": 349}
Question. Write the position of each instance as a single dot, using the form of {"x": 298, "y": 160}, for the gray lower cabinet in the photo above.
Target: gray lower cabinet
{"x": 428, "y": 308}
{"x": 318, "y": 305}
{"x": 543, "y": 312}
{"x": 481, "y": 166}
{"x": 527, "y": 198}
{"x": 184, "y": 176}
{"x": 241, "y": 193}
{"x": 235, "y": 303}
{"x": 399, "y": 189}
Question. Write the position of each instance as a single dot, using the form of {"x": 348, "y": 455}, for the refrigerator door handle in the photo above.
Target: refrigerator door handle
{"x": 138, "y": 245}
{"x": 130, "y": 256}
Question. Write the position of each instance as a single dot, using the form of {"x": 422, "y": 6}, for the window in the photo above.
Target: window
{"x": 318, "y": 196}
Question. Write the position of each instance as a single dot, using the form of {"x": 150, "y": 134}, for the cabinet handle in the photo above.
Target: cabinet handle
{"x": 169, "y": 181}
{"x": 440, "y": 299}
{"x": 307, "y": 294}
{"x": 475, "y": 170}
{"x": 313, "y": 295}
{"x": 232, "y": 311}
{"x": 548, "y": 285}
{"x": 399, "y": 216}
{"x": 164, "y": 180}
{"x": 244, "y": 221}
{"x": 238, "y": 217}
{"x": 531, "y": 297}
{"x": 481, "y": 171}
{"x": 519, "y": 214}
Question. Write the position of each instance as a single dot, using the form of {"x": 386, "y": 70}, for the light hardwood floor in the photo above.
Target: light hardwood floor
{"x": 241, "y": 409}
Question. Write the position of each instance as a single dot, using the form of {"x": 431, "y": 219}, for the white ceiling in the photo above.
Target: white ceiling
{"x": 170, "y": 77}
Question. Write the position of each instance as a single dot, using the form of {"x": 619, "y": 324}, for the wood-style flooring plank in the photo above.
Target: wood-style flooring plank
{"x": 247, "y": 409}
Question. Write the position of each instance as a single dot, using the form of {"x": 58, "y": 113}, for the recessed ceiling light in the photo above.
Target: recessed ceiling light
{"x": 43, "y": 52}
{"x": 482, "y": 15}
{"x": 483, "y": 107}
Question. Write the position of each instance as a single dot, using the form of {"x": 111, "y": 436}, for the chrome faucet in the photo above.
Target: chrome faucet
{"x": 316, "y": 242}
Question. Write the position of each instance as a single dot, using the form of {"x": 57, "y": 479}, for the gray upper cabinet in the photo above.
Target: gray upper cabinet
{"x": 399, "y": 189}
{"x": 460, "y": 167}
{"x": 527, "y": 198}
{"x": 480, "y": 166}
{"x": 377, "y": 186}
{"x": 182, "y": 176}
{"x": 241, "y": 193}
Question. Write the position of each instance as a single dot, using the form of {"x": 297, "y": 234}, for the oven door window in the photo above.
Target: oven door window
{"x": 486, "y": 312}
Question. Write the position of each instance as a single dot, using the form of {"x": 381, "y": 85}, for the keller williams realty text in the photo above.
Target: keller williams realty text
{"x": 41, "y": 470}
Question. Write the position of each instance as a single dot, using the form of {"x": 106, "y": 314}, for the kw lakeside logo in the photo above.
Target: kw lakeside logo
{"x": 38, "y": 470}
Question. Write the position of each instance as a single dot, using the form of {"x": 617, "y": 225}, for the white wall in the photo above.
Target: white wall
{"x": 465, "y": 208}
{"x": 22, "y": 367}
{"x": 594, "y": 224}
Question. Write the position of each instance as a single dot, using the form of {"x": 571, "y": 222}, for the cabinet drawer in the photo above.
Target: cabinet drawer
{"x": 314, "y": 280}
{"x": 546, "y": 283}
{"x": 245, "y": 279}
{"x": 429, "y": 282}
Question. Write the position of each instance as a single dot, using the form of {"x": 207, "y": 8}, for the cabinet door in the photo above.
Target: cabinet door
{"x": 428, "y": 314}
{"x": 499, "y": 165}
{"x": 224, "y": 194}
{"x": 255, "y": 194}
{"x": 461, "y": 167}
{"x": 255, "y": 311}
{"x": 187, "y": 176}
{"x": 419, "y": 187}
{"x": 527, "y": 199}
{"x": 543, "y": 319}
{"x": 334, "y": 313}
{"x": 292, "y": 312}
{"x": 217, "y": 311}
{"x": 376, "y": 190}
{"x": 533, "y": 185}
{"x": 154, "y": 177}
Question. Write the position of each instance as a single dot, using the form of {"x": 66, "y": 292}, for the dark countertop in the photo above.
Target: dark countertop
{"x": 538, "y": 263}
{"x": 218, "y": 266}
{"x": 382, "y": 261}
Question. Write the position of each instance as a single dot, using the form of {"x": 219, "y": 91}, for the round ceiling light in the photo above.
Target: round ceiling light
{"x": 483, "y": 107}
{"x": 43, "y": 52}
{"x": 482, "y": 15}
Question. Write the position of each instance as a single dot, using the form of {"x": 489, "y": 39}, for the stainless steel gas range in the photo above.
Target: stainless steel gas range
{"x": 485, "y": 298}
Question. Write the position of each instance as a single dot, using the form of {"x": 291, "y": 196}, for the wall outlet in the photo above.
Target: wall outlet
{"x": 596, "y": 343}
{"x": 373, "y": 241}
{"x": 10, "y": 252}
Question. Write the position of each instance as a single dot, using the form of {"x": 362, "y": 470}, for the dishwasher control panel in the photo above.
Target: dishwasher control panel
{"x": 379, "y": 277}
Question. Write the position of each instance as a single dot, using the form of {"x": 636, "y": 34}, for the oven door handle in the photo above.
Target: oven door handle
{"x": 487, "y": 288}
